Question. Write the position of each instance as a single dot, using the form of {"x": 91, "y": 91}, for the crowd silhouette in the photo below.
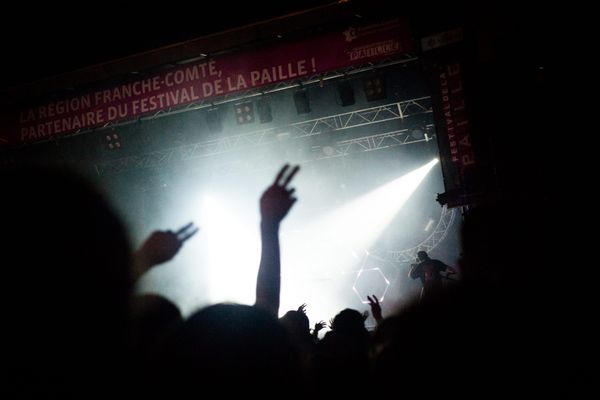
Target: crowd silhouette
{"x": 74, "y": 327}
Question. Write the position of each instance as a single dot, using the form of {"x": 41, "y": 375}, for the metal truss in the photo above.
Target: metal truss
{"x": 439, "y": 233}
{"x": 369, "y": 143}
{"x": 373, "y": 115}
{"x": 334, "y": 150}
{"x": 353, "y": 119}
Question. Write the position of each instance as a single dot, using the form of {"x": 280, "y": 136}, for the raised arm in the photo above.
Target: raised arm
{"x": 160, "y": 247}
{"x": 275, "y": 203}
{"x": 375, "y": 308}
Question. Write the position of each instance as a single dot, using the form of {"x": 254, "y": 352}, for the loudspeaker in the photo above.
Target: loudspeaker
{"x": 346, "y": 94}
{"x": 264, "y": 111}
{"x": 301, "y": 101}
{"x": 213, "y": 120}
{"x": 374, "y": 88}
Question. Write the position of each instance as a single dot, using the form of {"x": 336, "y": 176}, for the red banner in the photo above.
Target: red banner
{"x": 456, "y": 121}
{"x": 207, "y": 79}
{"x": 453, "y": 126}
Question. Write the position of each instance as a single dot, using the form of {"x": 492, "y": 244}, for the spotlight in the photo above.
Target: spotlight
{"x": 244, "y": 112}
{"x": 417, "y": 133}
{"x": 356, "y": 224}
{"x": 374, "y": 88}
{"x": 328, "y": 151}
{"x": 113, "y": 141}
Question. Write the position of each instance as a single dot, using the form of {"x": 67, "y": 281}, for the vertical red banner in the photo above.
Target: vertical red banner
{"x": 453, "y": 127}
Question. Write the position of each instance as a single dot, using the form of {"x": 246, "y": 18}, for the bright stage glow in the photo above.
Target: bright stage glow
{"x": 429, "y": 225}
{"x": 358, "y": 224}
{"x": 325, "y": 249}
{"x": 321, "y": 256}
{"x": 232, "y": 253}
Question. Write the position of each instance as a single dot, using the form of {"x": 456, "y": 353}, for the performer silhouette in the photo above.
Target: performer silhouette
{"x": 429, "y": 271}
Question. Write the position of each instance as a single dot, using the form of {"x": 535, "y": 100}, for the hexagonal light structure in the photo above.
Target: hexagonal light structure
{"x": 370, "y": 281}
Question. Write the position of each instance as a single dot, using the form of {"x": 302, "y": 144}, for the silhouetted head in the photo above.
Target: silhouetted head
{"x": 422, "y": 256}
{"x": 234, "y": 343}
{"x": 343, "y": 355}
{"x": 349, "y": 321}
{"x": 154, "y": 319}
{"x": 65, "y": 259}
{"x": 295, "y": 322}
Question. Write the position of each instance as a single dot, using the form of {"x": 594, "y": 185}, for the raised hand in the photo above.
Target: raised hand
{"x": 186, "y": 232}
{"x": 375, "y": 308}
{"x": 161, "y": 246}
{"x": 320, "y": 325}
{"x": 302, "y": 308}
{"x": 277, "y": 200}
{"x": 365, "y": 315}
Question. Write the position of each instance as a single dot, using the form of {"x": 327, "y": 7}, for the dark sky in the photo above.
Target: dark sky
{"x": 47, "y": 40}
